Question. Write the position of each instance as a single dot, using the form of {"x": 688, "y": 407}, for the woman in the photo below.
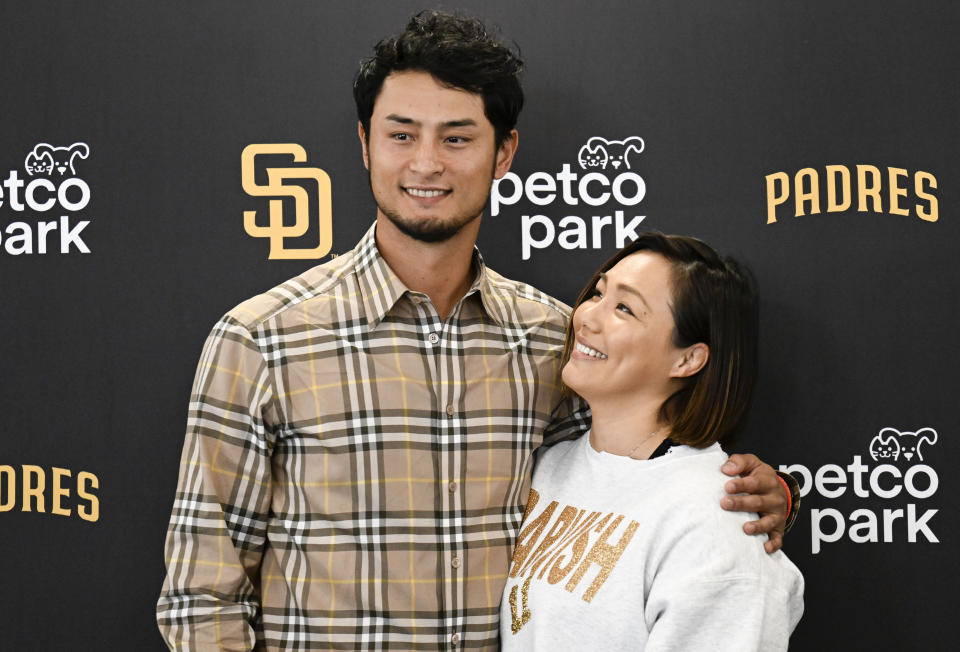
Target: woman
{"x": 624, "y": 545}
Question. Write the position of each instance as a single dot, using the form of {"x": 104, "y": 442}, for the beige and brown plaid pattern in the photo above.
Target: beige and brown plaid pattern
{"x": 355, "y": 469}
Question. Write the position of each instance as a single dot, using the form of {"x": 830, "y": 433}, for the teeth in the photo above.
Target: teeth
{"x": 417, "y": 192}
{"x": 591, "y": 352}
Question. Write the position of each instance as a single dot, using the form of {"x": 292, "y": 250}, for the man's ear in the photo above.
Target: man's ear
{"x": 692, "y": 360}
{"x": 505, "y": 154}
{"x": 363, "y": 144}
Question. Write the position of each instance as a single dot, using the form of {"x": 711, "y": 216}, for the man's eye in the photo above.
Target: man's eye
{"x": 457, "y": 140}
{"x": 401, "y": 137}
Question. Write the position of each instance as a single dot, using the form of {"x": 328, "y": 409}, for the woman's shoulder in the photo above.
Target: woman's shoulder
{"x": 691, "y": 485}
{"x": 691, "y": 470}
{"x": 696, "y": 519}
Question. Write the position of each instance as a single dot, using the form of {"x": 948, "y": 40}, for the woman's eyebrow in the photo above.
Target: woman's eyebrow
{"x": 629, "y": 289}
{"x": 632, "y": 290}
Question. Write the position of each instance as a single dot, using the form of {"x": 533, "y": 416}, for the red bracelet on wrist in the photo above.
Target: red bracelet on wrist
{"x": 789, "y": 495}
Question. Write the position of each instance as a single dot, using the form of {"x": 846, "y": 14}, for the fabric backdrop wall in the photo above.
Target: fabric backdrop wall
{"x": 816, "y": 141}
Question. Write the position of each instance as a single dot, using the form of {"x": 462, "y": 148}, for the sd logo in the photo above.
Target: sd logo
{"x": 276, "y": 230}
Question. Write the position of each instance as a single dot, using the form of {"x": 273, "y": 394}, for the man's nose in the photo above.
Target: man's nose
{"x": 426, "y": 159}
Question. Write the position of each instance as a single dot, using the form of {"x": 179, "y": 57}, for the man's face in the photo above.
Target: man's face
{"x": 431, "y": 155}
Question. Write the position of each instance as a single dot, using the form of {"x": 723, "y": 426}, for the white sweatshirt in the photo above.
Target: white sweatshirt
{"x": 623, "y": 554}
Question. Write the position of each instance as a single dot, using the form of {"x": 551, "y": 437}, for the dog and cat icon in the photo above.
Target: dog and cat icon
{"x": 46, "y": 159}
{"x": 892, "y": 445}
{"x": 602, "y": 153}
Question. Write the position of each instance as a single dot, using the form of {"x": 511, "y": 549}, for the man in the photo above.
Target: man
{"x": 360, "y": 438}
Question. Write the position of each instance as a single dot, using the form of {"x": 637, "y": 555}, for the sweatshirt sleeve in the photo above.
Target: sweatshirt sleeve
{"x": 739, "y": 614}
{"x": 716, "y": 589}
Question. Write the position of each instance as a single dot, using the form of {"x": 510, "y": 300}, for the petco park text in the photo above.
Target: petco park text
{"x": 593, "y": 189}
{"x": 41, "y": 195}
{"x": 885, "y": 481}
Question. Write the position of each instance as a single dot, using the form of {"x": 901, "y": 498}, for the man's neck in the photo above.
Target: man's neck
{"x": 441, "y": 270}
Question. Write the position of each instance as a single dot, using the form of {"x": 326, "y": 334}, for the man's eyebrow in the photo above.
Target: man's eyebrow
{"x": 632, "y": 290}
{"x": 466, "y": 122}
{"x": 449, "y": 124}
{"x": 393, "y": 117}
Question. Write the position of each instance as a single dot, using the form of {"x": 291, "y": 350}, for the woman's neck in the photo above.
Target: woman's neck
{"x": 633, "y": 432}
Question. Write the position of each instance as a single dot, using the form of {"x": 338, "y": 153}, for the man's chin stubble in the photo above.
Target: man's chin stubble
{"x": 427, "y": 231}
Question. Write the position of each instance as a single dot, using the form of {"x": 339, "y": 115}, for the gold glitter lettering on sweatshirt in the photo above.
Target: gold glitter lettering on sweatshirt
{"x": 605, "y": 555}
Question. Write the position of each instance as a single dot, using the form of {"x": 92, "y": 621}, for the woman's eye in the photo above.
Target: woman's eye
{"x": 624, "y": 308}
{"x": 595, "y": 294}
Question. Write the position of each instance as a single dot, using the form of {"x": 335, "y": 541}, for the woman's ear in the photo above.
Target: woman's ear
{"x": 692, "y": 360}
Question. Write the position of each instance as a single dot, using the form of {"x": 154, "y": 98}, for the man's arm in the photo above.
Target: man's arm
{"x": 570, "y": 419}
{"x": 762, "y": 492}
{"x": 210, "y": 597}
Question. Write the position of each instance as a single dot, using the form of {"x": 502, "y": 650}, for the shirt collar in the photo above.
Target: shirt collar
{"x": 494, "y": 301}
{"x": 381, "y": 288}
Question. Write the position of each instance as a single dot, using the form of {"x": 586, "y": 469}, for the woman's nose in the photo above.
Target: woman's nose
{"x": 589, "y": 318}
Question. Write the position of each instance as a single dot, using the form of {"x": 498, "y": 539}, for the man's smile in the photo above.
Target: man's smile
{"x": 426, "y": 193}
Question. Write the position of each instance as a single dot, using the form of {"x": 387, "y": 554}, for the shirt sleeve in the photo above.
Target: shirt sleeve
{"x": 570, "y": 419}
{"x": 218, "y": 524}
{"x": 718, "y": 593}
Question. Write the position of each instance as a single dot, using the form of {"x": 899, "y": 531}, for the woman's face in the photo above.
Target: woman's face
{"x": 624, "y": 334}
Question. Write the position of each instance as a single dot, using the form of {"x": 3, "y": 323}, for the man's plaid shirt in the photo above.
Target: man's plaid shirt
{"x": 355, "y": 470}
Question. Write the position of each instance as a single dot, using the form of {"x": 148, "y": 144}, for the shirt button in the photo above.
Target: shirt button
{"x": 450, "y": 410}
{"x": 455, "y": 562}
{"x": 434, "y": 338}
{"x": 455, "y": 639}
{"x": 452, "y": 487}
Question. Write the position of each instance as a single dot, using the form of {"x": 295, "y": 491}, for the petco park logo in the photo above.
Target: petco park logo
{"x": 897, "y": 473}
{"x": 606, "y": 175}
{"x": 276, "y": 230}
{"x": 51, "y": 184}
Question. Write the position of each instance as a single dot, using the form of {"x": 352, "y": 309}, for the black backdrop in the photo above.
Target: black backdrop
{"x": 98, "y": 349}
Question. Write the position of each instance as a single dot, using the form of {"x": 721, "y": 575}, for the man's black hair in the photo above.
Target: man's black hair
{"x": 457, "y": 51}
